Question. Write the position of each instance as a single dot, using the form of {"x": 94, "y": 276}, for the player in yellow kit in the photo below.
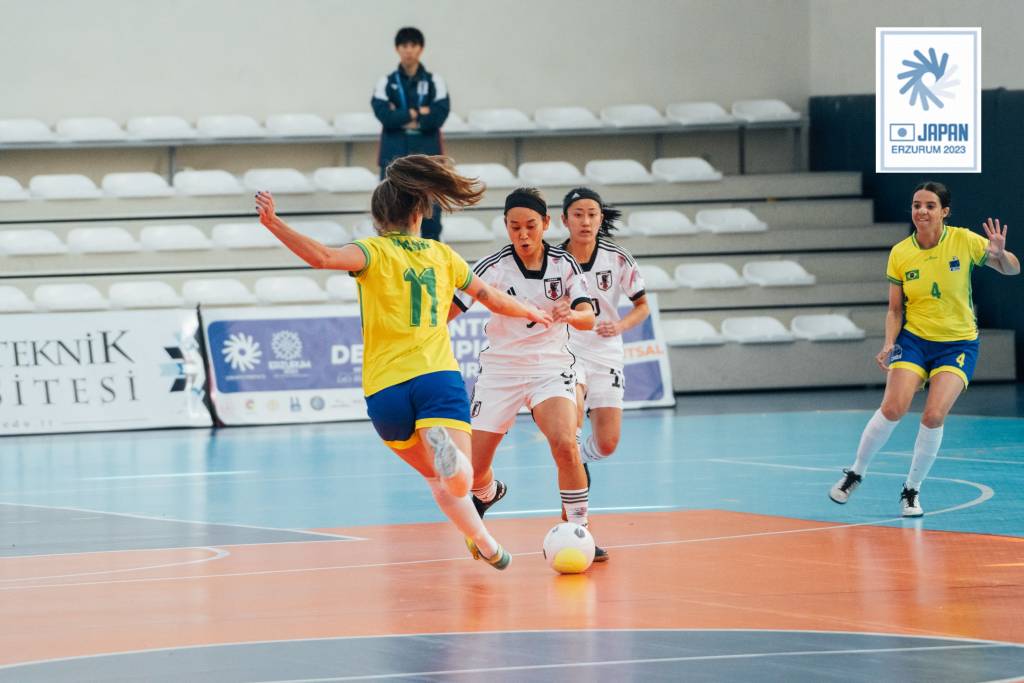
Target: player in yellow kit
{"x": 930, "y": 333}
{"x": 415, "y": 396}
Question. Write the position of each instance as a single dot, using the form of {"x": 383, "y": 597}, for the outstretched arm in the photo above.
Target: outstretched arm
{"x": 350, "y": 257}
{"x": 997, "y": 257}
{"x": 501, "y": 303}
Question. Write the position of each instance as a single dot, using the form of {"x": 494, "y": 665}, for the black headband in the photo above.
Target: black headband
{"x": 578, "y": 194}
{"x": 526, "y": 201}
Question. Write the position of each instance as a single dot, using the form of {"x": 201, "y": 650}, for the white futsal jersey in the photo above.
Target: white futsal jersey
{"x": 610, "y": 273}
{"x": 516, "y": 346}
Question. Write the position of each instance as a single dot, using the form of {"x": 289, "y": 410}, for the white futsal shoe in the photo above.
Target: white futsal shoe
{"x": 844, "y": 488}
{"x": 450, "y": 463}
{"x": 911, "y": 501}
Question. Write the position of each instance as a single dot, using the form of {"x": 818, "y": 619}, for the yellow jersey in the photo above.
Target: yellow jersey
{"x": 405, "y": 291}
{"x": 936, "y": 284}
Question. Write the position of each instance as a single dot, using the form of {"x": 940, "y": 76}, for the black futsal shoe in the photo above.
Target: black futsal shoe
{"x": 482, "y": 507}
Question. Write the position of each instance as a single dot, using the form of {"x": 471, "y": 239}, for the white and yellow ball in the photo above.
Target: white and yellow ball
{"x": 569, "y": 548}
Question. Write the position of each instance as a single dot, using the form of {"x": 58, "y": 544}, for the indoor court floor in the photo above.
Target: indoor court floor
{"x": 310, "y": 553}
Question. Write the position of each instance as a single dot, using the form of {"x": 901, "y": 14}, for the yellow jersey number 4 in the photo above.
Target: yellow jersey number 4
{"x": 960, "y": 360}
{"x": 425, "y": 279}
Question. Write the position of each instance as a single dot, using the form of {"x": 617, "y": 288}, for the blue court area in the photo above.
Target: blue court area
{"x": 339, "y": 475}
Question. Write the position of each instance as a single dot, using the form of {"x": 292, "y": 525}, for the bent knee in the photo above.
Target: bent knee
{"x": 933, "y": 418}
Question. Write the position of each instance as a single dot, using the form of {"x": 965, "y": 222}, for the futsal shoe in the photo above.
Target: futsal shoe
{"x": 450, "y": 464}
{"x": 482, "y": 507}
{"x": 843, "y": 488}
{"x": 911, "y": 501}
{"x": 500, "y": 560}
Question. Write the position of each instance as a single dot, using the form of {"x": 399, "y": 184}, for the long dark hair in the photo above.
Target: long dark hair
{"x": 413, "y": 184}
{"x": 609, "y": 214}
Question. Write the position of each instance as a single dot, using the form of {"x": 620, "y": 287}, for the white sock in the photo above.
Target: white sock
{"x": 590, "y": 452}
{"x": 876, "y": 433}
{"x": 926, "y": 449}
{"x": 463, "y": 515}
{"x": 487, "y": 493}
{"x": 575, "y": 502}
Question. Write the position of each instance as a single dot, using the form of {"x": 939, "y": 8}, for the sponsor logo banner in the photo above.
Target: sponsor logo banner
{"x": 928, "y": 100}
{"x": 100, "y": 371}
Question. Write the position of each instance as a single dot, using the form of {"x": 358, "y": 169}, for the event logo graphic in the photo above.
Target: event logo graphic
{"x": 930, "y": 78}
{"x": 286, "y": 345}
{"x": 242, "y": 352}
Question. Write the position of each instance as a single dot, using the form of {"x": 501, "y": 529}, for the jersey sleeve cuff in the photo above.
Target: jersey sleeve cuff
{"x": 581, "y": 300}
{"x": 458, "y": 302}
{"x": 984, "y": 258}
{"x": 639, "y": 295}
{"x": 366, "y": 253}
{"x": 469, "y": 279}
{"x": 894, "y": 280}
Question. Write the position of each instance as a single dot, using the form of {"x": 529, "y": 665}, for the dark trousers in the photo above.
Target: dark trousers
{"x": 431, "y": 227}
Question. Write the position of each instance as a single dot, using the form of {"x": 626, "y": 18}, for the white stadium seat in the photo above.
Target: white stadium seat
{"x": 63, "y": 186}
{"x": 455, "y": 124}
{"x": 542, "y": 173}
{"x": 277, "y": 180}
{"x": 288, "y": 289}
{"x": 101, "y": 240}
{"x": 160, "y": 128}
{"x": 25, "y": 130}
{"x": 777, "y": 274}
{"x": 465, "y": 229}
{"x": 11, "y": 190}
{"x": 656, "y": 279}
{"x": 144, "y": 184}
{"x": 566, "y": 118}
{"x": 495, "y": 120}
{"x": 720, "y": 221}
{"x": 617, "y": 172}
{"x": 763, "y": 111}
{"x": 144, "y": 294}
{"x": 69, "y": 297}
{"x": 357, "y": 123}
{"x": 174, "y": 238}
{"x": 657, "y": 223}
{"x": 633, "y": 116}
{"x": 492, "y": 175}
{"x": 345, "y": 179}
{"x": 90, "y": 128}
{"x": 230, "y": 126}
{"x": 298, "y": 125}
{"x": 207, "y": 183}
{"x": 31, "y": 242}
{"x": 708, "y": 276}
{"x": 243, "y": 236}
{"x": 328, "y": 233}
{"x": 756, "y": 329}
{"x": 557, "y": 232}
{"x": 825, "y": 327}
{"x": 13, "y": 300}
{"x": 690, "y": 332}
{"x": 699, "y": 114}
{"x": 216, "y": 292}
{"x": 363, "y": 227}
{"x": 342, "y": 288}
{"x": 685, "y": 170}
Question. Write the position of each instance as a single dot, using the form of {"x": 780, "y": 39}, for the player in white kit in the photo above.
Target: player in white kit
{"x": 530, "y": 365}
{"x": 611, "y": 274}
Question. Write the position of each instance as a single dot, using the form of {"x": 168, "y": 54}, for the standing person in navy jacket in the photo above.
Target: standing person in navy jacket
{"x": 412, "y": 104}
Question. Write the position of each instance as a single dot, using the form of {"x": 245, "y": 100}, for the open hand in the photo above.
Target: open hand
{"x": 538, "y": 316}
{"x": 265, "y": 207}
{"x": 562, "y": 312}
{"x": 996, "y": 238}
{"x": 608, "y": 329}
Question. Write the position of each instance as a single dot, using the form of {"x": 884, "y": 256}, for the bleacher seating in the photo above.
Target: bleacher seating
{"x": 492, "y": 175}
{"x": 174, "y": 238}
{"x": 297, "y": 125}
{"x": 660, "y": 223}
{"x": 277, "y": 180}
{"x": 656, "y": 279}
{"x": 708, "y": 276}
{"x": 755, "y": 329}
{"x": 547, "y": 173}
{"x": 224, "y": 291}
{"x": 229, "y": 126}
{"x": 101, "y": 240}
{"x": 729, "y": 220}
{"x": 825, "y": 327}
{"x": 30, "y": 242}
{"x": 13, "y": 300}
{"x": 632, "y": 116}
{"x": 93, "y": 128}
{"x": 566, "y": 118}
{"x": 495, "y": 120}
{"x": 143, "y": 184}
{"x": 783, "y": 273}
{"x": 288, "y": 289}
{"x": 345, "y": 179}
{"x": 74, "y": 296}
{"x": 160, "y": 128}
{"x": 143, "y": 294}
{"x": 25, "y": 130}
{"x": 243, "y": 236}
{"x": 458, "y": 229}
{"x": 691, "y": 332}
{"x": 207, "y": 183}
{"x": 764, "y": 111}
{"x": 685, "y": 170}
{"x": 617, "y": 172}
{"x": 699, "y": 114}
{"x": 342, "y": 288}
{"x": 63, "y": 186}
{"x": 357, "y": 123}
{"x": 11, "y": 190}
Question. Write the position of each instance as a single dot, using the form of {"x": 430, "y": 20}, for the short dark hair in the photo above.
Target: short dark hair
{"x": 409, "y": 34}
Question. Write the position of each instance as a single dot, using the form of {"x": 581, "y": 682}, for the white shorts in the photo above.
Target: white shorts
{"x": 604, "y": 386}
{"x": 497, "y": 398}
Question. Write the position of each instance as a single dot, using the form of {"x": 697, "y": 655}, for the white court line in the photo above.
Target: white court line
{"x": 216, "y": 473}
{"x": 218, "y": 554}
{"x": 207, "y": 646}
{"x": 512, "y": 513}
{"x": 626, "y": 662}
{"x": 345, "y": 539}
{"x": 182, "y": 521}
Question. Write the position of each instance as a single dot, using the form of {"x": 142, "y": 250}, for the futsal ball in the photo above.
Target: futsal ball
{"x": 569, "y": 548}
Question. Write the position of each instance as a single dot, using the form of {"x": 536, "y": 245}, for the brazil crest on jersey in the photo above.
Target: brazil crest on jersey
{"x": 405, "y": 291}
{"x": 937, "y": 284}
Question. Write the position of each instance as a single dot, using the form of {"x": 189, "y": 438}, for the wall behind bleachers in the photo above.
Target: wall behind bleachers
{"x": 123, "y": 58}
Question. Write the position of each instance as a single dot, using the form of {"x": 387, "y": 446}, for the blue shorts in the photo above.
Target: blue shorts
{"x": 437, "y": 398}
{"x": 928, "y": 358}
